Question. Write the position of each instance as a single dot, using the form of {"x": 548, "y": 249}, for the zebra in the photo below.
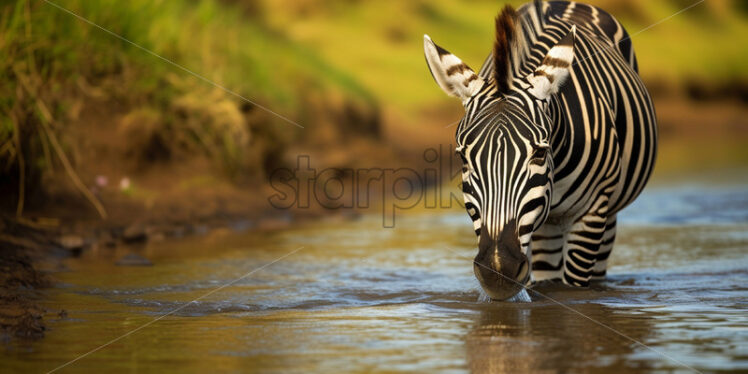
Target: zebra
{"x": 559, "y": 135}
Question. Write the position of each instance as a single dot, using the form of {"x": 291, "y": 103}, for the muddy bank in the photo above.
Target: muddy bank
{"x": 22, "y": 248}
{"x": 63, "y": 225}
{"x": 33, "y": 250}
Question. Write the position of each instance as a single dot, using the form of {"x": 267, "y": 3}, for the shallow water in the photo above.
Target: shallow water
{"x": 355, "y": 297}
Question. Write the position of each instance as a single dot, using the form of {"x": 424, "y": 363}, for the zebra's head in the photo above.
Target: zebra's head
{"x": 504, "y": 142}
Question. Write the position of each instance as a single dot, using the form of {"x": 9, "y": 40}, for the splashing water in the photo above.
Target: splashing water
{"x": 521, "y": 297}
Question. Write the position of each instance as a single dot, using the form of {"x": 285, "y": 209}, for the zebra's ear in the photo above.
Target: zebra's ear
{"x": 453, "y": 76}
{"x": 554, "y": 70}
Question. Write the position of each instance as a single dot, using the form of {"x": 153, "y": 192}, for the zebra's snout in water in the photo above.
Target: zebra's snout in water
{"x": 500, "y": 266}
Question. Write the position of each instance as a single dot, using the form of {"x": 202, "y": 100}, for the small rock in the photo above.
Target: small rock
{"x": 71, "y": 242}
{"x": 133, "y": 259}
{"x": 134, "y": 233}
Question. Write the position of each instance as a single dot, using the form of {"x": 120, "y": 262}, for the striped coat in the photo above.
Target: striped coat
{"x": 559, "y": 135}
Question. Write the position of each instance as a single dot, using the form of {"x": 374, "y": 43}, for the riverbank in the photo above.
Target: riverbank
{"x": 22, "y": 249}
{"x": 33, "y": 250}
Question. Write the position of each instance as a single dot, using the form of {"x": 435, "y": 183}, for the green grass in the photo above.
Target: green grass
{"x": 52, "y": 62}
{"x": 706, "y": 43}
{"x": 211, "y": 38}
{"x": 380, "y": 43}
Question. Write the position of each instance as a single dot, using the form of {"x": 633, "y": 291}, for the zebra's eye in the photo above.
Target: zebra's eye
{"x": 538, "y": 156}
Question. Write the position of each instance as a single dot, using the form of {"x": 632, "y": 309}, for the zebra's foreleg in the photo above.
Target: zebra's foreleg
{"x": 583, "y": 244}
{"x": 601, "y": 263}
{"x": 546, "y": 252}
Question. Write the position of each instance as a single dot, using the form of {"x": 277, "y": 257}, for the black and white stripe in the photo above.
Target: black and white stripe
{"x": 554, "y": 146}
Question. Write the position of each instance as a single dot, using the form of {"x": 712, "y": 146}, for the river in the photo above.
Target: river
{"x": 351, "y": 296}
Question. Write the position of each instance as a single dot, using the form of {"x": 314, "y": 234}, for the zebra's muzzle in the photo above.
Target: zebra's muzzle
{"x": 500, "y": 266}
{"x": 503, "y": 282}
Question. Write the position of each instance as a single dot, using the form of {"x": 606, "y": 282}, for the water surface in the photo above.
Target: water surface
{"x": 356, "y": 297}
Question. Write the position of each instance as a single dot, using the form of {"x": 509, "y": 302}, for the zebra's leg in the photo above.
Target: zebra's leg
{"x": 583, "y": 244}
{"x": 546, "y": 254}
{"x": 601, "y": 263}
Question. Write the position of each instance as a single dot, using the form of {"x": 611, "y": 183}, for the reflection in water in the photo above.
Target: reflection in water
{"x": 506, "y": 338}
{"x": 361, "y": 298}
{"x": 692, "y": 314}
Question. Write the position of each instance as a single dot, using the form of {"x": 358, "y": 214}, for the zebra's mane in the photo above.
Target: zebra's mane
{"x": 511, "y": 42}
{"x": 503, "y": 46}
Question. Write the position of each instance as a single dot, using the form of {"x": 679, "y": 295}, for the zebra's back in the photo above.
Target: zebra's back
{"x": 605, "y": 128}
